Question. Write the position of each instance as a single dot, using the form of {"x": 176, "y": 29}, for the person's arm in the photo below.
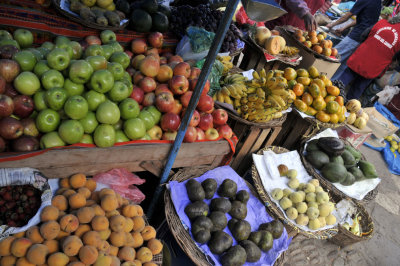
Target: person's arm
{"x": 344, "y": 18}
{"x": 340, "y": 30}
{"x": 300, "y": 8}
{"x": 365, "y": 33}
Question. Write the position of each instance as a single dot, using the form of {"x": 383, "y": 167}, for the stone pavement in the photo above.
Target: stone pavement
{"x": 382, "y": 249}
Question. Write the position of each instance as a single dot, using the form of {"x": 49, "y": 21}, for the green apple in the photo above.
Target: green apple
{"x": 51, "y": 140}
{"x": 40, "y": 68}
{"x": 107, "y": 36}
{"x": 73, "y": 88}
{"x": 48, "y": 45}
{"x": 55, "y": 98}
{"x": 120, "y": 136}
{"x": 86, "y": 139}
{"x": 102, "y": 81}
{"x": 147, "y": 119}
{"x": 44, "y": 51}
{"x": 116, "y": 69}
{"x": 116, "y": 46}
{"x": 108, "y": 113}
{"x": 25, "y": 59}
{"x": 119, "y": 124}
{"x": 61, "y": 40}
{"x": 67, "y": 48}
{"x": 89, "y": 122}
{"x": 47, "y": 120}
{"x": 118, "y": 92}
{"x": 76, "y": 107}
{"x": 39, "y": 100}
{"x": 52, "y": 78}
{"x": 155, "y": 132}
{"x": 122, "y": 58}
{"x": 76, "y": 50}
{"x": 9, "y": 42}
{"x": 5, "y": 35}
{"x": 97, "y": 62}
{"x": 104, "y": 136}
{"x": 23, "y": 37}
{"x": 94, "y": 49}
{"x": 27, "y": 83}
{"x": 108, "y": 50}
{"x": 146, "y": 137}
{"x": 58, "y": 59}
{"x": 94, "y": 99}
{"x": 134, "y": 128}
{"x": 129, "y": 109}
{"x": 63, "y": 115}
{"x": 154, "y": 111}
{"x": 71, "y": 131}
{"x": 128, "y": 84}
{"x": 80, "y": 71}
{"x": 127, "y": 76}
{"x": 39, "y": 56}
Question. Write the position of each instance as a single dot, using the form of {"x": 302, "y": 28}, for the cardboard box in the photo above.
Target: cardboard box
{"x": 380, "y": 125}
{"x": 355, "y": 138}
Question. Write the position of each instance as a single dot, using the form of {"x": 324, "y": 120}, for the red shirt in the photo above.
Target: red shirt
{"x": 375, "y": 54}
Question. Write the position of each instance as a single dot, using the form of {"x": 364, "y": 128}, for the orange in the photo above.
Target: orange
{"x": 298, "y": 89}
{"x": 332, "y": 107}
{"x": 340, "y": 100}
{"x": 322, "y": 116}
{"x": 314, "y": 90}
{"x": 300, "y": 105}
{"x": 319, "y": 104}
{"x": 333, "y": 90}
{"x": 307, "y": 98}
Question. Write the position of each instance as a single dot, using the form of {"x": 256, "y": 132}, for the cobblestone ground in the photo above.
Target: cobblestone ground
{"x": 382, "y": 249}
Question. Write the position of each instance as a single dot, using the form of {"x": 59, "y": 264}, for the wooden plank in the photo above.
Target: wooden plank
{"x": 254, "y": 133}
{"x": 217, "y": 161}
{"x": 239, "y": 129}
{"x": 260, "y": 140}
{"x": 275, "y": 132}
{"x": 295, "y": 135}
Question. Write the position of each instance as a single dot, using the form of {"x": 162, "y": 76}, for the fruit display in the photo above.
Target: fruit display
{"x": 83, "y": 226}
{"x": 226, "y": 62}
{"x": 356, "y": 227}
{"x": 316, "y": 41}
{"x": 146, "y": 15}
{"x": 202, "y": 16}
{"x": 18, "y": 204}
{"x": 258, "y": 100}
{"x": 338, "y": 162}
{"x": 307, "y": 204}
{"x": 209, "y": 221}
{"x": 394, "y": 144}
{"x": 316, "y": 96}
{"x": 357, "y": 116}
{"x": 65, "y": 93}
{"x": 272, "y": 42}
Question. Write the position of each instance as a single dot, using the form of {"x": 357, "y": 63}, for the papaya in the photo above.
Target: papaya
{"x": 356, "y": 153}
{"x": 312, "y": 145}
{"x": 357, "y": 173}
{"x": 336, "y": 159}
{"x": 273, "y": 45}
{"x": 160, "y": 22}
{"x": 141, "y": 21}
{"x": 349, "y": 180}
{"x": 331, "y": 145}
{"x": 334, "y": 172}
{"x": 317, "y": 159}
{"x": 368, "y": 169}
{"x": 348, "y": 158}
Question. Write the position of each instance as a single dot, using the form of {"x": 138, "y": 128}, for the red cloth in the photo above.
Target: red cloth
{"x": 394, "y": 106}
{"x": 375, "y": 54}
{"x": 242, "y": 18}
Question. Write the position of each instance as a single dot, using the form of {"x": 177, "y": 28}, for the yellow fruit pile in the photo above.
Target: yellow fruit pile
{"x": 316, "y": 42}
{"x": 226, "y": 62}
{"x": 357, "y": 116}
{"x": 394, "y": 145}
{"x": 316, "y": 96}
{"x": 84, "y": 227}
{"x": 273, "y": 42}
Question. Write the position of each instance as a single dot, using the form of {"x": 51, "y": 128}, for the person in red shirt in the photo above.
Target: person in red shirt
{"x": 373, "y": 57}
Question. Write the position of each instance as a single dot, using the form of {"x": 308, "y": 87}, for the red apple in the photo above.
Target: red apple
{"x": 170, "y": 122}
{"x": 147, "y": 84}
{"x": 9, "y": 69}
{"x": 211, "y": 134}
{"x": 137, "y": 60}
{"x": 90, "y": 40}
{"x": 8, "y": 51}
{"x": 156, "y": 39}
{"x": 25, "y": 143}
{"x": 2, "y": 144}
{"x": 150, "y": 66}
{"x": 178, "y": 85}
{"x": 190, "y": 135}
{"x": 164, "y": 74}
{"x": 194, "y": 73}
{"x": 172, "y": 65}
{"x": 163, "y": 60}
{"x": 169, "y": 135}
{"x": 137, "y": 94}
{"x": 210, "y": 111}
{"x": 10, "y": 91}
{"x": 162, "y": 88}
{"x": 131, "y": 71}
{"x": 175, "y": 58}
{"x": 185, "y": 98}
{"x": 195, "y": 120}
{"x": 83, "y": 44}
{"x": 182, "y": 69}
{"x": 220, "y": 117}
{"x": 206, "y": 103}
{"x": 225, "y": 131}
{"x": 165, "y": 102}
{"x": 137, "y": 78}
{"x": 149, "y": 99}
{"x": 200, "y": 134}
{"x": 23, "y": 106}
{"x": 30, "y": 128}
{"x": 129, "y": 53}
{"x": 206, "y": 121}
{"x": 2, "y": 85}
{"x": 6, "y": 106}
{"x": 177, "y": 109}
{"x": 206, "y": 88}
{"x": 10, "y": 128}
{"x": 138, "y": 46}
{"x": 167, "y": 55}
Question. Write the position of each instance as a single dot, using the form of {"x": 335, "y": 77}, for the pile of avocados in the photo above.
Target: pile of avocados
{"x": 209, "y": 221}
{"x": 338, "y": 163}
{"x": 148, "y": 15}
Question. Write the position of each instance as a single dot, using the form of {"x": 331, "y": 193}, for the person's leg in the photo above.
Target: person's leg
{"x": 347, "y": 76}
{"x": 345, "y": 49}
{"x": 359, "y": 85}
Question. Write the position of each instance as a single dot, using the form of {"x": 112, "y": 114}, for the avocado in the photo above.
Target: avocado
{"x": 368, "y": 169}
{"x": 123, "y": 6}
{"x": 243, "y": 196}
{"x": 275, "y": 227}
{"x": 348, "y": 159}
{"x": 255, "y": 237}
{"x": 202, "y": 236}
{"x": 195, "y": 209}
{"x": 150, "y": 6}
{"x": 164, "y": 9}
{"x": 194, "y": 190}
{"x": 235, "y": 256}
{"x": 140, "y": 21}
{"x": 252, "y": 251}
{"x": 219, "y": 220}
{"x": 356, "y": 153}
{"x": 334, "y": 172}
{"x": 202, "y": 222}
{"x": 227, "y": 189}
{"x": 331, "y": 145}
{"x": 160, "y": 22}
{"x": 210, "y": 186}
{"x": 267, "y": 241}
{"x": 349, "y": 180}
{"x": 336, "y": 159}
{"x": 312, "y": 145}
{"x": 241, "y": 230}
{"x": 238, "y": 210}
{"x": 317, "y": 158}
{"x": 232, "y": 223}
{"x": 220, "y": 204}
{"x": 357, "y": 173}
{"x": 220, "y": 242}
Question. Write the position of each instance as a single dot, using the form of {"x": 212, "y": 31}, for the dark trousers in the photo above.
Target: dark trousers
{"x": 359, "y": 83}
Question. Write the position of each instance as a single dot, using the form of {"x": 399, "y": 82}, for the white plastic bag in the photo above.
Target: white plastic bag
{"x": 390, "y": 78}
{"x": 184, "y": 50}
{"x": 386, "y": 95}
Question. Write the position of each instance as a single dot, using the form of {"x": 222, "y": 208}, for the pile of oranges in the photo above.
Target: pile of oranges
{"x": 316, "y": 41}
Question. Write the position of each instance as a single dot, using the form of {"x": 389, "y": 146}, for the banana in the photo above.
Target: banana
{"x": 263, "y": 74}
{"x": 256, "y": 75}
{"x": 279, "y": 100}
{"x": 281, "y": 92}
{"x": 225, "y": 91}
{"x": 252, "y": 97}
{"x": 251, "y": 90}
{"x": 227, "y": 99}
{"x": 273, "y": 101}
{"x": 261, "y": 93}
{"x": 270, "y": 74}
{"x": 236, "y": 103}
{"x": 233, "y": 91}
{"x": 214, "y": 97}
{"x": 220, "y": 97}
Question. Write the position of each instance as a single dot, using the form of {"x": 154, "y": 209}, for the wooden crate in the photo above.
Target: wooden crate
{"x": 135, "y": 158}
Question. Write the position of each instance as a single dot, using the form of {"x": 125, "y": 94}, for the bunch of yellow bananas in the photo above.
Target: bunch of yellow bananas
{"x": 226, "y": 62}
{"x": 355, "y": 228}
{"x": 290, "y": 50}
{"x": 234, "y": 86}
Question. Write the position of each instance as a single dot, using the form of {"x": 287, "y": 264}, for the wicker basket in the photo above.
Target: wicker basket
{"x": 344, "y": 237}
{"x": 181, "y": 235}
{"x": 277, "y": 212}
{"x": 327, "y": 184}
{"x": 318, "y": 125}
{"x": 157, "y": 259}
{"x": 56, "y": 4}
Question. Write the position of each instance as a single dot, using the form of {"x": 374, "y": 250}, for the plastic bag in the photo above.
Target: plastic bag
{"x": 25, "y": 176}
{"x": 122, "y": 181}
{"x": 200, "y": 39}
{"x": 215, "y": 75}
{"x": 390, "y": 78}
{"x": 386, "y": 95}
{"x": 184, "y": 50}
